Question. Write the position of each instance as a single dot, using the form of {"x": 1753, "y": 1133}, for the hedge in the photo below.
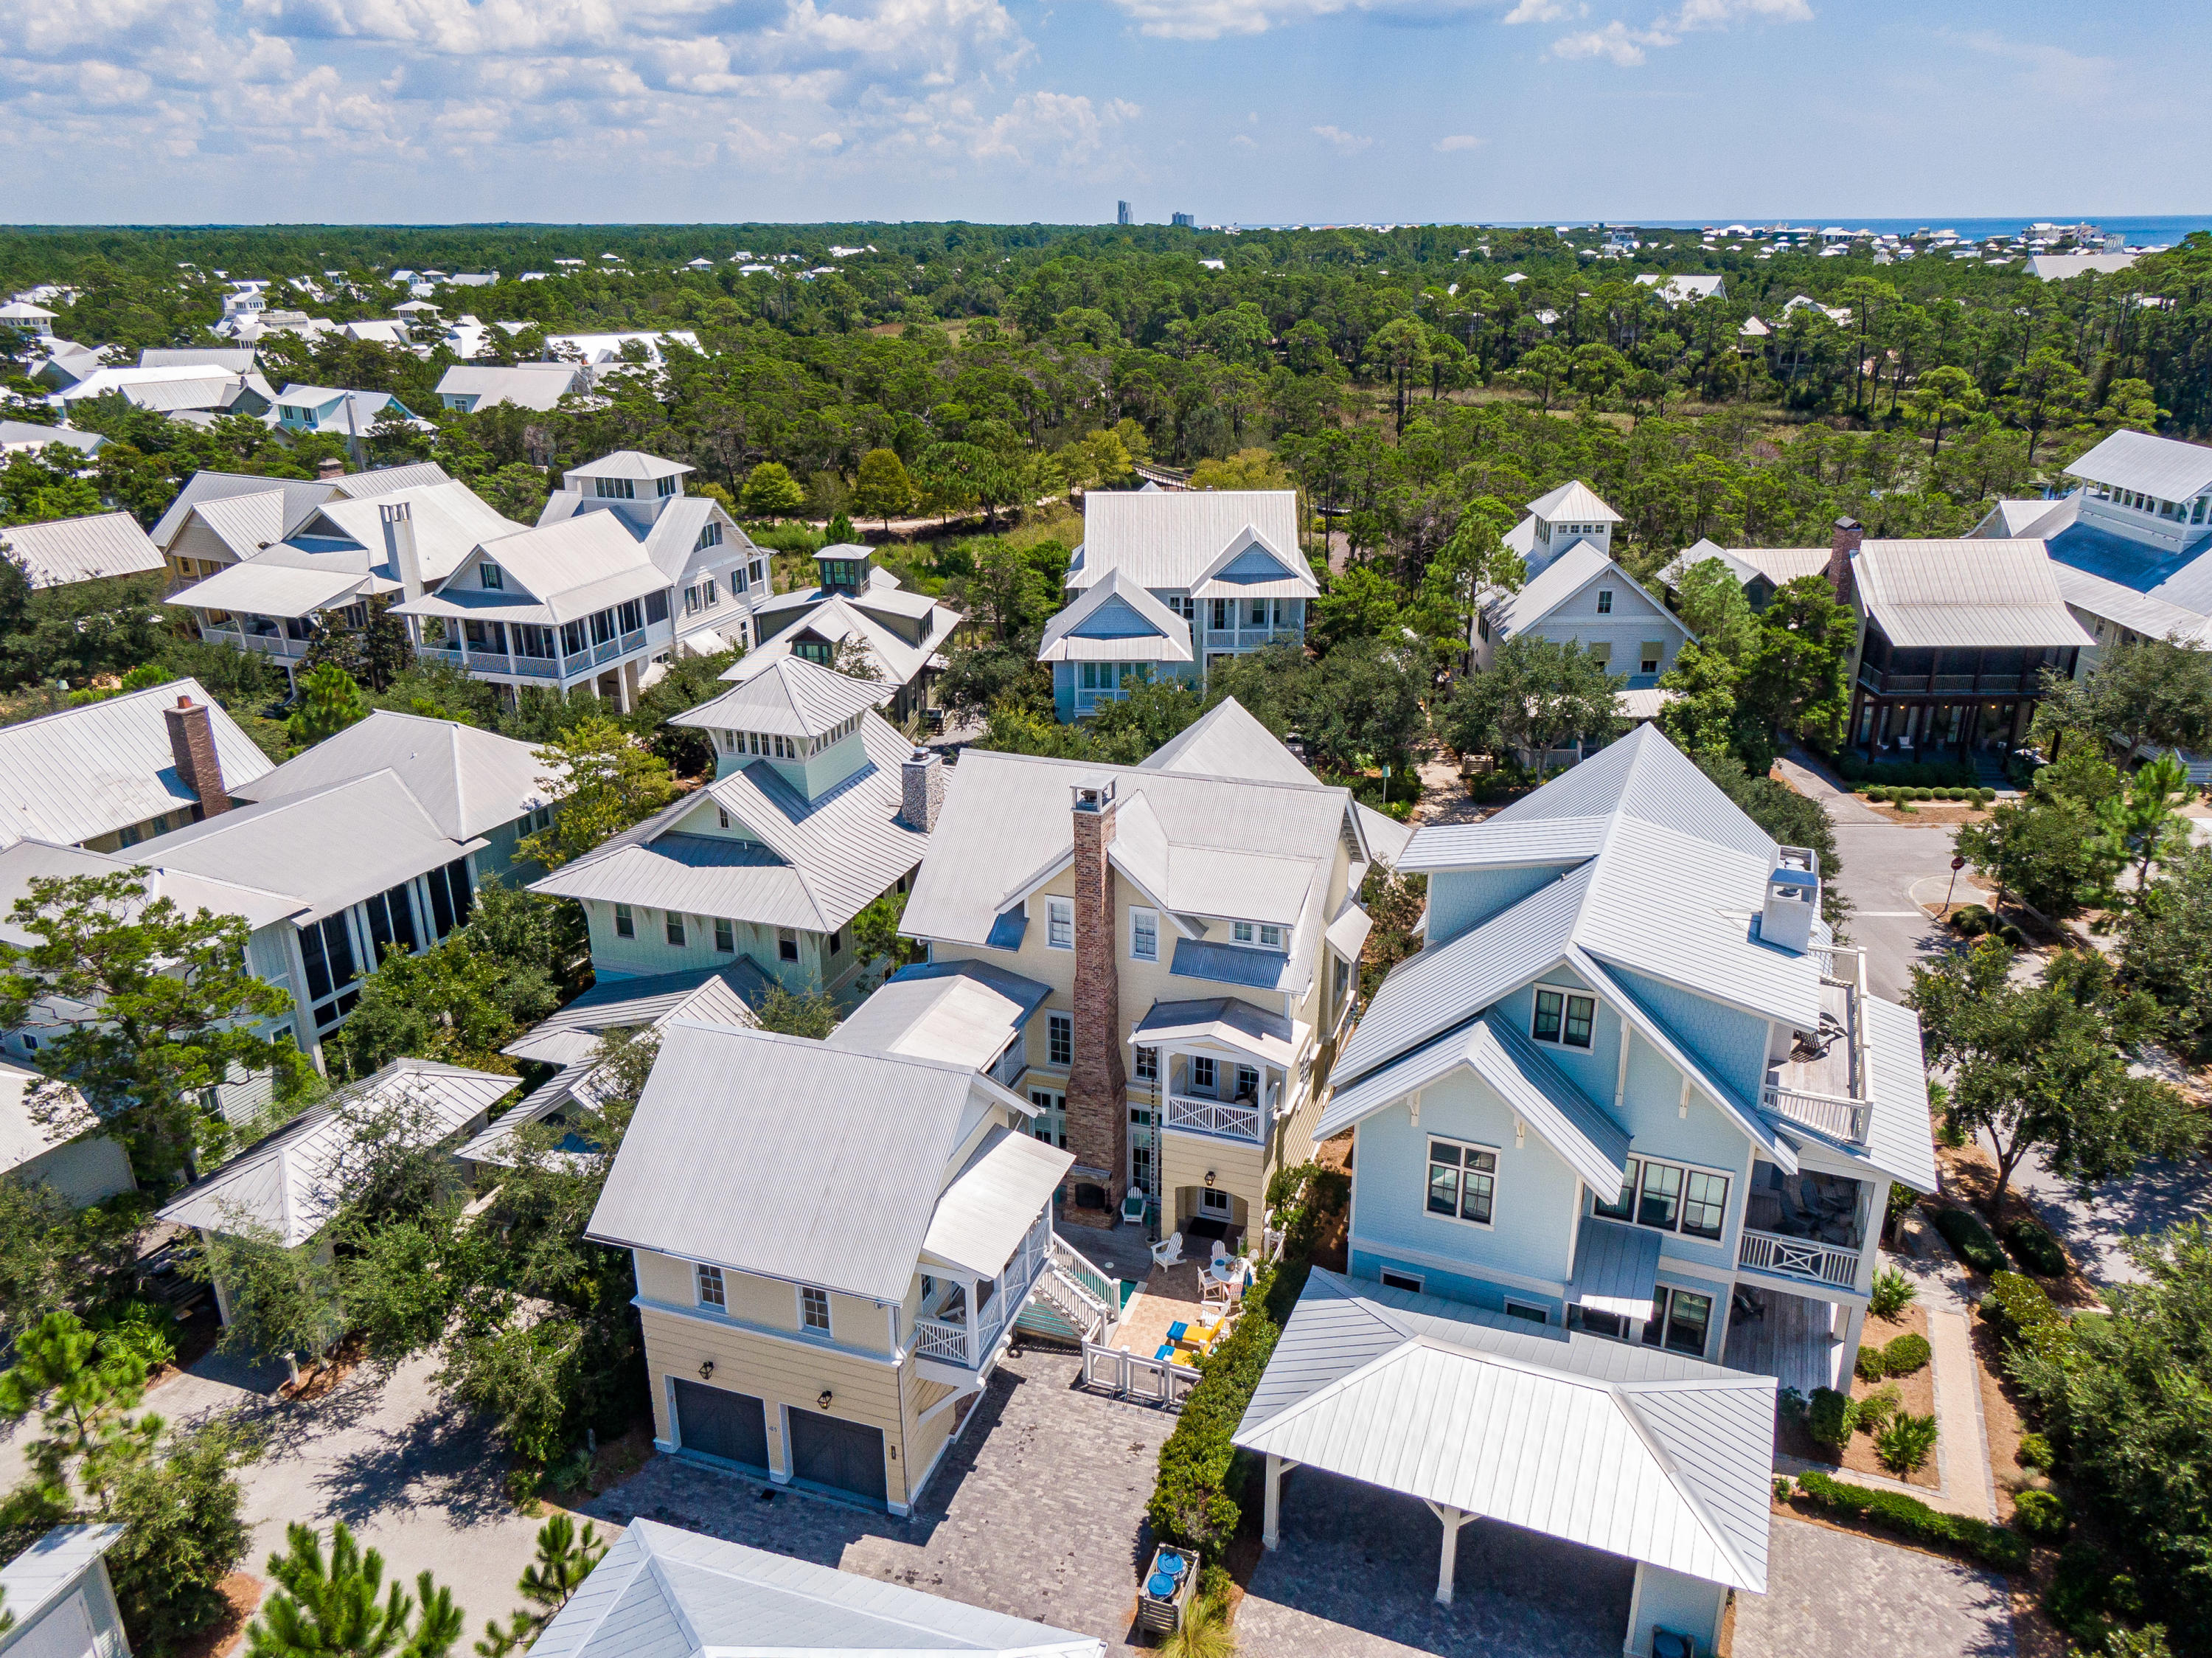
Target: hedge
{"x": 2034, "y": 1248}
{"x": 1191, "y": 1506}
{"x": 2018, "y": 1310}
{"x": 1911, "y": 1518}
{"x": 1963, "y": 1230}
{"x": 1911, "y": 774}
{"x": 1829, "y": 1421}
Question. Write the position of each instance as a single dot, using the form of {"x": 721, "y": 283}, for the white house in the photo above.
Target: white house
{"x": 308, "y": 409}
{"x": 80, "y": 1167}
{"x": 1623, "y": 1133}
{"x": 61, "y": 1599}
{"x": 857, "y": 607}
{"x": 1574, "y": 592}
{"x": 1226, "y": 562}
{"x": 93, "y": 549}
{"x": 1686, "y": 288}
{"x": 28, "y": 437}
{"x": 182, "y": 388}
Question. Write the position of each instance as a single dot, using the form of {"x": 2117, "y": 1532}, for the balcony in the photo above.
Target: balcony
{"x": 490, "y": 662}
{"x": 960, "y": 1324}
{"x": 1226, "y": 1119}
{"x": 270, "y": 644}
{"x": 1799, "y": 1257}
{"x": 578, "y": 663}
{"x": 536, "y": 667}
{"x": 438, "y": 656}
{"x": 1821, "y": 1083}
{"x": 1011, "y": 1065}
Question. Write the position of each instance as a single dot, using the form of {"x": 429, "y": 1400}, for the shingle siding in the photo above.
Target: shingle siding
{"x": 1729, "y": 1043}
{"x": 1462, "y": 899}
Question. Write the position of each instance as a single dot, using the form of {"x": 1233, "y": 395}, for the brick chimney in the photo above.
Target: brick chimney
{"x": 331, "y": 467}
{"x": 921, "y": 790}
{"x": 191, "y": 740}
{"x": 1846, "y": 541}
{"x": 1097, "y": 1081}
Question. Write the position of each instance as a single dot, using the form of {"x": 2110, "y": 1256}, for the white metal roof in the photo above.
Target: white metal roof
{"x": 470, "y": 781}
{"x": 790, "y": 696}
{"x": 2058, "y": 267}
{"x": 1167, "y": 540}
{"x": 1226, "y": 1020}
{"x": 2162, "y": 467}
{"x": 29, "y": 860}
{"x": 50, "y": 1567}
{"x": 450, "y": 521}
{"x": 292, "y": 1182}
{"x": 22, "y": 1135}
{"x": 557, "y": 573}
{"x": 1559, "y": 581}
{"x": 661, "y": 1593}
{"x": 1116, "y": 620}
{"x": 81, "y": 549}
{"x": 1572, "y": 502}
{"x": 964, "y": 1012}
{"x": 269, "y": 587}
{"x": 983, "y": 1214}
{"x": 1617, "y": 1446}
{"x": 791, "y": 1158}
{"x": 841, "y": 617}
{"x": 629, "y": 463}
{"x": 82, "y": 772}
{"x": 1989, "y": 593}
{"x": 332, "y": 846}
{"x": 815, "y": 866}
{"x": 539, "y": 386}
{"x": 1776, "y": 565}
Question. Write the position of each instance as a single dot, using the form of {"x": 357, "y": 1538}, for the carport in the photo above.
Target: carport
{"x": 1638, "y": 1452}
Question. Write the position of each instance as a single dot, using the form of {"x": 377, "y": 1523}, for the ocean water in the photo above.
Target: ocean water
{"x": 2140, "y": 232}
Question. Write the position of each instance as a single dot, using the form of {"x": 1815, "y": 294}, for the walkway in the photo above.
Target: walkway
{"x": 1355, "y": 1577}
{"x": 1831, "y": 1591}
{"x": 1038, "y": 1510}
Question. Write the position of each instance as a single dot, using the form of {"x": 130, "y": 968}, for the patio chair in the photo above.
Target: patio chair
{"x": 1168, "y": 1251}
{"x": 1744, "y": 1308}
{"x": 1132, "y": 1205}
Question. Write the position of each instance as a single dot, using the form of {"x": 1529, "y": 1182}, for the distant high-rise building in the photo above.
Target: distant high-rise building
{"x": 1122, "y": 217}
{"x": 1188, "y": 222}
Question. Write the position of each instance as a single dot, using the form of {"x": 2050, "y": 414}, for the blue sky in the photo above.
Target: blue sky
{"x": 1252, "y": 110}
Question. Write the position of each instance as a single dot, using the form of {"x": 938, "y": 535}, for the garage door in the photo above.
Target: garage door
{"x": 715, "y": 1422}
{"x": 844, "y": 1456}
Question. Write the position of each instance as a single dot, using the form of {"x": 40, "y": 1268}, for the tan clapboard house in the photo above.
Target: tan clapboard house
{"x": 1196, "y": 923}
{"x": 832, "y": 1248}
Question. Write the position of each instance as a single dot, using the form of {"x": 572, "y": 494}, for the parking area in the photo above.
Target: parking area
{"x": 1832, "y": 1591}
{"x": 1355, "y": 1577}
{"x": 1037, "y": 1511}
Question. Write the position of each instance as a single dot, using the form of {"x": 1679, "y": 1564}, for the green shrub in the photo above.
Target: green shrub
{"x": 2041, "y": 1515}
{"x": 2034, "y": 1248}
{"x": 1869, "y": 1367}
{"x": 1970, "y": 1239}
{"x": 1911, "y": 1518}
{"x": 1829, "y": 1420}
{"x": 1784, "y": 1488}
{"x": 2018, "y": 1310}
{"x": 1893, "y": 1290}
{"x": 1871, "y": 1414}
{"x": 1985, "y": 796}
{"x": 2087, "y": 1596}
{"x": 1971, "y": 919}
{"x": 2035, "y": 1452}
{"x": 1908, "y": 1353}
{"x": 1907, "y": 1442}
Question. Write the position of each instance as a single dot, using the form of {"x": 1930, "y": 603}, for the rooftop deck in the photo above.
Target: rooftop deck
{"x": 1823, "y": 1081}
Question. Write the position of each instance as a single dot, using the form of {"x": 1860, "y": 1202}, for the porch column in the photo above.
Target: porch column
{"x": 1451, "y": 1518}
{"x": 1854, "y": 1322}
{"x": 1270, "y": 1528}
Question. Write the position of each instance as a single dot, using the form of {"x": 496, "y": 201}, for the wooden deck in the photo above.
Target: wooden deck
{"x": 1829, "y": 1073}
{"x": 1799, "y": 1342}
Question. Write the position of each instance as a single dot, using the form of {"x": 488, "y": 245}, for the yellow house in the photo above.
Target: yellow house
{"x": 831, "y": 1247}
{"x": 1196, "y": 921}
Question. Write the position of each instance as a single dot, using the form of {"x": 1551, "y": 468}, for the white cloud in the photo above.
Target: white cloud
{"x": 1445, "y": 145}
{"x": 1210, "y": 20}
{"x": 1345, "y": 144}
{"x": 1628, "y": 46}
{"x": 1544, "y": 12}
{"x": 2052, "y": 73}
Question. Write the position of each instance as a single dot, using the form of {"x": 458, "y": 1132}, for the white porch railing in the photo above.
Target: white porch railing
{"x": 968, "y": 1339}
{"x": 1009, "y": 1066}
{"x": 1227, "y": 1120}
{"x": 1133, "y": 1376}
{"x": 1848, "y": 1120}
{"x": 1799, "y": 1257}
{"x": 933, "y": 1338}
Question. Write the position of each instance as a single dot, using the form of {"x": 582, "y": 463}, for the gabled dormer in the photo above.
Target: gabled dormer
{"x": 801, "y": 721}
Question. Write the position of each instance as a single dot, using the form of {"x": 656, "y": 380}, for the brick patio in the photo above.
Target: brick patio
{"x": 1355, "y": 1577}
{"x": 1037, "y": 1511}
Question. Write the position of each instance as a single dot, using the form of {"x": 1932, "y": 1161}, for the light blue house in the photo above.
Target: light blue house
{"x": 1630, "y": 1117}
{"x": 352, "y": 415}
{"x": 1223, "y": 563}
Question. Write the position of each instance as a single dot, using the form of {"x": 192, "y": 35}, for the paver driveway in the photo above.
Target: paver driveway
{"x": 1832, "y": 1591}
{"x": 1038, "y": 1510}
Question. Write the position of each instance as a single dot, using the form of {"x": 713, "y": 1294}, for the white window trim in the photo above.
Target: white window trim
{"x": 1413, "y": 1282}
{"x": 1456, "y": 1218}
{"x": 1215, "y": 1200}
{"x": 701, "y": 1272}
{"x": 1543, "y": 1313}
{"x": 822, "y": 1332}
{"x": 1244, "y": 932}
{"x": 1275, "y": 943}
{"x": 1054, "y": 909}
{"x": 1726, "y": 1176}
{"x": 1153, "y": 917}
{"x": 1560, "y": 1041}
{"x": 1050, "y": 1019}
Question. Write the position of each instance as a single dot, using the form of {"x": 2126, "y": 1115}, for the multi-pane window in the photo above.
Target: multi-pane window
{"x": 625, "y": 922}
{"x": 711, "y": 535}
{"x": 1462, "y": 1182}
{"x": 786, "y": 944}
{"x": 1201, "y": 1073}
{"x": 1271, "y": 938}
{"x": 711, "y": 1292}
{"x": 1605, "y": 601}
{"x": 1683, "y": 1322}
{"x": 1060, "y": 924}
{"x": 1059, "y": 1038}
{"x": 1144, "y": 934}
{"x": 726, "y": 936}
{"x": 1148, "y": 1065}
{"x": 1670, "y": 1197}
{"x": 664, "y": 486}
{"x": 1648, "y": 658}
{"x": 813, "y": 1308}
{"x": 614, "y": 489}
{"x": 491, "y": 576}
{"x": 1241, "y": 931}
{"x": 1247, "y": 1082}
{"x": 676, "y": 930}
{"x": 1563, "y": 1016}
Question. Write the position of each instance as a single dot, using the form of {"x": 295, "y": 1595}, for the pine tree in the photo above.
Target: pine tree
{"x": 564, "y": 1561}
{"x": 330, "y": 1609}
{"x": 330, "y": 701}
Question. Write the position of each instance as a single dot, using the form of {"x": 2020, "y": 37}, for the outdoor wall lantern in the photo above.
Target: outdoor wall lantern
{"x": 825, "y": 1400}
{"x": 1209, "y": 1180}
{"x": 706, "y": 1369}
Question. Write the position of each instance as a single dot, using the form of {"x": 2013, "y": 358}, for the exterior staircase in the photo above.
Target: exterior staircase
{"x": 1072, "y": 1299}
{"x": 1989, "y": 769}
